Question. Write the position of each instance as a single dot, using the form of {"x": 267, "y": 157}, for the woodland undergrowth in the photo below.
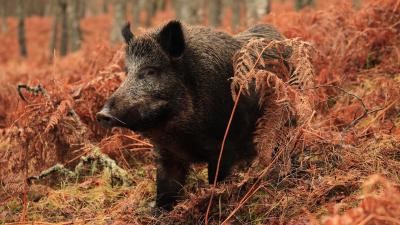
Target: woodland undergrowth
{"x": 328, "y": 141}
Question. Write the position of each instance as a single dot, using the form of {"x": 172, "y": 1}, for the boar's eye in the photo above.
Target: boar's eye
{"x": 149, "y": 71}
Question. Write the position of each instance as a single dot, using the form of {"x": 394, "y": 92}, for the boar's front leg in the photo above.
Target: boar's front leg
{"x": 171, "y": 176}
{"x": 224, "y": 167}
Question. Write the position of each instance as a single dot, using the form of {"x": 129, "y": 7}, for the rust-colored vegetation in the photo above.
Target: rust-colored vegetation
{"x": 338, "y": 76}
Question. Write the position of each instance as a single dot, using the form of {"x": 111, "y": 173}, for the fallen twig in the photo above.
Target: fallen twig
{"x": 116, "y": 173}
{"x": 34, "y": 90}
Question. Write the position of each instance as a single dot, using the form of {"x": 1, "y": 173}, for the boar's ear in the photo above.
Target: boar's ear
{"x": 171, "y": 39}
{"x": 127, "y": 33}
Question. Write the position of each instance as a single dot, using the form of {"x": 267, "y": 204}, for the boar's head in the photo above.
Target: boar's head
{"x": 155, "y": 88}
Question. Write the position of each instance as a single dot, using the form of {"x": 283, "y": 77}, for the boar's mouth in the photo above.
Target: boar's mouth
{"x": 140, "y": 116}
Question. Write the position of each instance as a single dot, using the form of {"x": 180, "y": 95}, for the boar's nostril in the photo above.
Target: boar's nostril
{"x": 105, "y": 119}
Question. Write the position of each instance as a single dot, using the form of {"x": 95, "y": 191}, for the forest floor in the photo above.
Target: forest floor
{"x": 340, "y": 166}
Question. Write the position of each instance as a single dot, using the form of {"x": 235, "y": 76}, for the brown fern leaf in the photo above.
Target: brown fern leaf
{"x": 280, "y": 72}
{"x": 267, "y": 139}
{"x": 60, "y": 112}
{"x": 289, "y": 59}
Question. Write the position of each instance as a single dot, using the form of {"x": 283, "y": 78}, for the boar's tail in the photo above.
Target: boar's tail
{"x": 260, "y": 31}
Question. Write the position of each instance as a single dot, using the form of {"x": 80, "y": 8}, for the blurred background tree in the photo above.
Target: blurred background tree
{"x": 21, "y": 28}
{"x": 136, "y": 6}
{"x": 119, "y": 20}
{"x": 215, "y": 12}
{"x": 64, "y": 27}
{"x": 66, "y": 34}
{"x": 105, "y": 6}
{"x": 74, "y": 25}
{"x": 4, "y": 24}
{"x": 303, "y": 3}
{"x": 356, "y": 4}
{"x": 257, "y": 8}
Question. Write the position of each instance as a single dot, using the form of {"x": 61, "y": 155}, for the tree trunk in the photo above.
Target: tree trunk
{"x": 251, "y": 11}
{"x": 82, "y": 9}
{"x": 214, "y": 12}
{"x": 3, "y": 9}
{"x": 75, "y": 29}
{"x": 92, "y": 7}
{"x": 136, "y": 9}
{"x": 189, "y": 11}
{"x": 64, "y": 27}
{"x": 268, "y": 6}
{"x": 151, "y": 7}
{"x": 356, "y": 4}
{"x": 186, "y": 13}
{"x": 118, "y": 21}
{"x": 256, "y": 9}
{"x": 21, "y": 29}
{"x": 50, "y": 8}
{"x": 37, "y": 7}
{"x": 235, "y": 5}
{"x": 299, "y": 4}
{"x": 54, "y": 31}
{"x": 161, "y": 5}
{"x": 176, "y": 4}
{"x": 105, "y": 6}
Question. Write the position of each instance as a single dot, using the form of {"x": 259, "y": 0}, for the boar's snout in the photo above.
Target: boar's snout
{"x": 138, "y": 115}
{"x": 106, "y": 119}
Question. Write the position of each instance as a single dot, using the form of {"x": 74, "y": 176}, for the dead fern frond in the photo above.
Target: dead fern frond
{"x": 60, "y": 112}
{"x": 290, "y": 60}
{"x": 280, "y": 72}
{"x": 374, "y": 208}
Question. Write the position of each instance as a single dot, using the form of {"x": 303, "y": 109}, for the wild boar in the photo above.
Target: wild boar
{"x": 177, "y": 94}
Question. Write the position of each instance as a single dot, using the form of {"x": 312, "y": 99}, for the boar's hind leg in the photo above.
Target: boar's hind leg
{"x": 224, "y": 168}
{"x": 171, "y": 176}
